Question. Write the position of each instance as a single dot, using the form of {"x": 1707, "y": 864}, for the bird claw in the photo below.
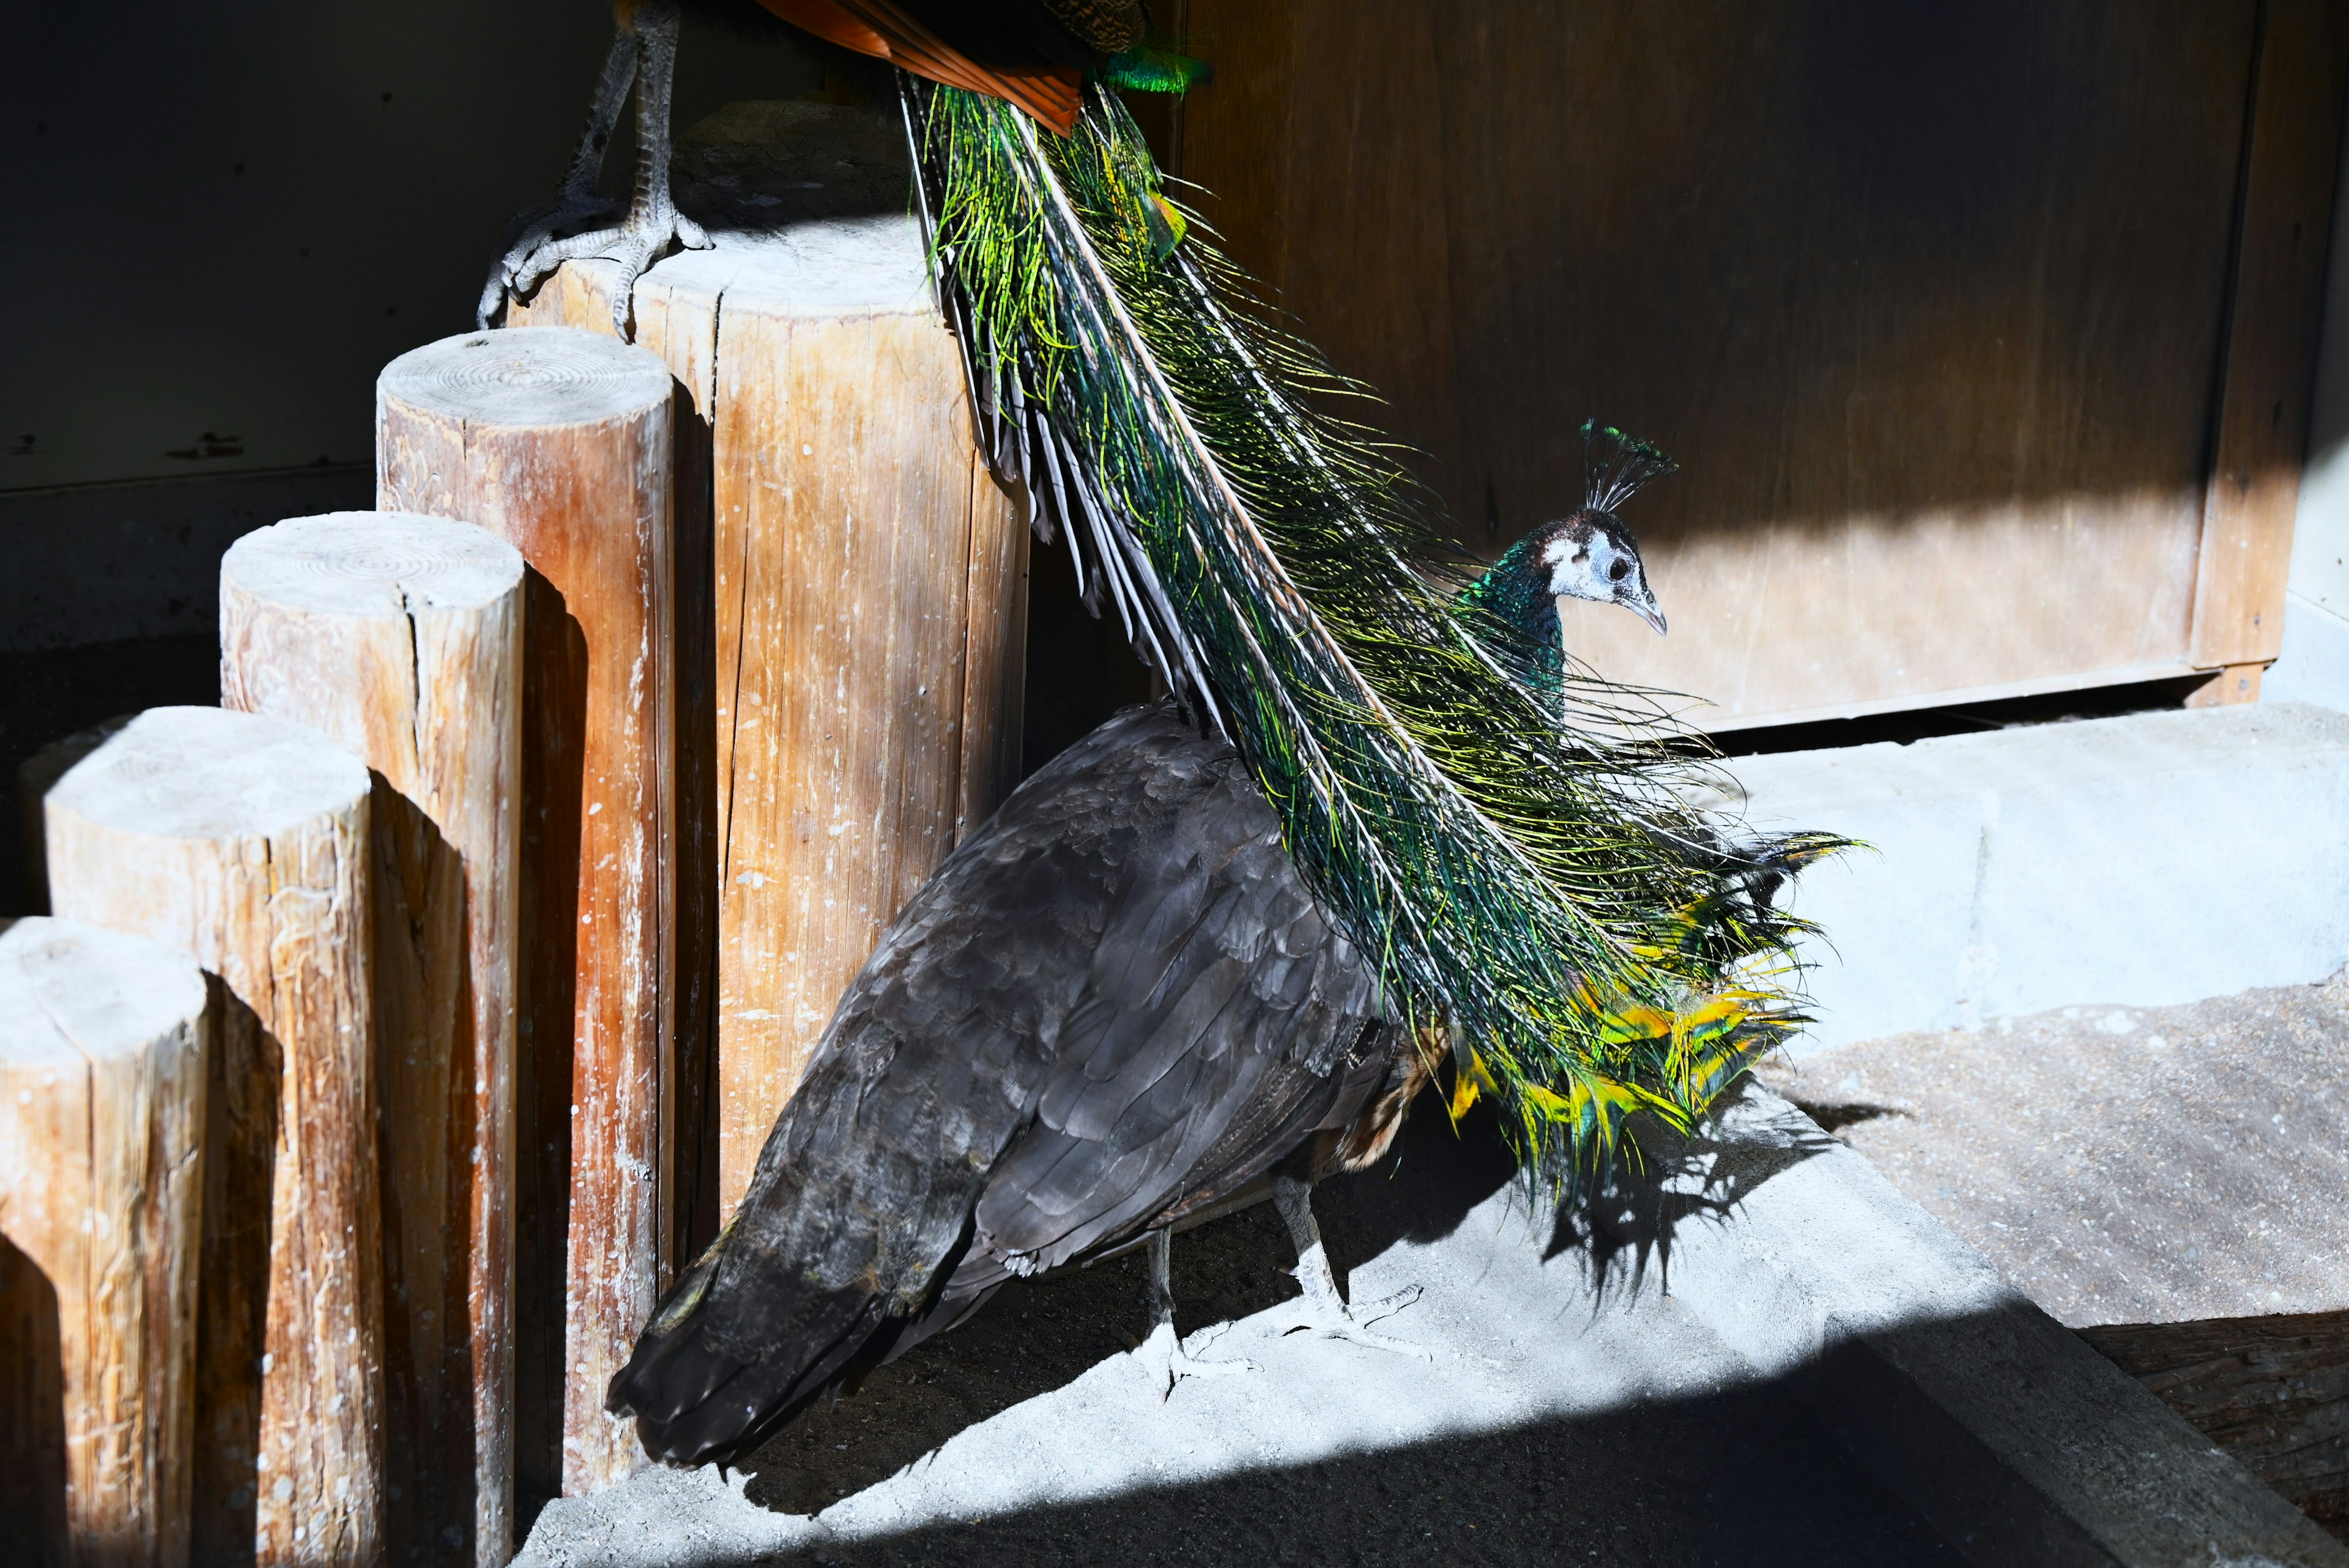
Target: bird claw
{"x": 1335, "y": 1320}
{"x": 1166, "y": 1362}
{"x": 634, "y": 243}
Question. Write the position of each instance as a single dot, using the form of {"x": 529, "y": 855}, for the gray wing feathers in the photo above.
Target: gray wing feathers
{"x": 1113, "y": 996}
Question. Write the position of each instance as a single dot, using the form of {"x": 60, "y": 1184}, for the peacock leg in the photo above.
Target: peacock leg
{"x": 643, "y": 51}
{"x": 1326, "y": 1312}
{"x": 1161, "y": 1354}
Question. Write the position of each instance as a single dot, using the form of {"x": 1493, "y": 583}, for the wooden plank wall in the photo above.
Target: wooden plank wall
{"x": 1931, "y": 301}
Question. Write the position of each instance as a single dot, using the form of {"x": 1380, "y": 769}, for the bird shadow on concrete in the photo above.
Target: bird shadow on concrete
{"x": 1040, "y": 1334}
{"x": 1624, "y": 1221}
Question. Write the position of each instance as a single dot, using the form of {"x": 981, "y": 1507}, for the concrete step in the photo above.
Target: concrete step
{"x": 2147, "y": 860}
{"x": 1759, "y": 1353}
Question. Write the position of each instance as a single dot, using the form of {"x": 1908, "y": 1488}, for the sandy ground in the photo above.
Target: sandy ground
{"x": 2121, "y": 1165}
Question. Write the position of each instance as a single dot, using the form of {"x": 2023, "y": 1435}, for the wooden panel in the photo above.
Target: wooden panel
{"x": 2271, "y": 1391}
{"x": 1928, "y": 299}
{"x": 2270, "y": 367}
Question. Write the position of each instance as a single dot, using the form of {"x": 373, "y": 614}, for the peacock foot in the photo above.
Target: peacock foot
{"x": 636, "y": 242}
{"x": 1323, "y": 1314}
{"x": 1166, "y": 1361}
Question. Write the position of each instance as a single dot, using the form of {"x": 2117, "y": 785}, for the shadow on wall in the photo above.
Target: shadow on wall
{"x": 258, "y": 207}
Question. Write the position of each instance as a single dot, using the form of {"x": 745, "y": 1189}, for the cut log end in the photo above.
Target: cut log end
{"x": 371, "y": 563}
{"x": 245, "y": 840}
{"x": 70, "y": 991}
{"x": 527, "y": 377}
{"x": 203, "y": 772}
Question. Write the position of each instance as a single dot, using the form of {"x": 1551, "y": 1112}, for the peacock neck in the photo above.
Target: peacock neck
{"x": 1517, "y": 589}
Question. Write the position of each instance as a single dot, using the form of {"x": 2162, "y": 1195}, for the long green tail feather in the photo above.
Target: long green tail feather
{"x": 1507, "y": 832}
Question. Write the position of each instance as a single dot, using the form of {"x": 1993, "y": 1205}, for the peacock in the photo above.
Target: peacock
{"x": 1382, "y": 831}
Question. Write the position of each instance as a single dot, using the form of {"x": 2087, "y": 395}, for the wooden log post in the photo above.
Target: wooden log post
{"x": 35, "y": 776}
{"x": 400, "y": 637}
{"x": 560, "y": 443}
{"x": 101, "y": 1188}
{"x": 245, "y": 840}
{"x": 871, "y": 576}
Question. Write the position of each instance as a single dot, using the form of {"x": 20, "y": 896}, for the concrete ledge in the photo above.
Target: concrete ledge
{"x": 1768, "y": 1268}
{"x": 2147, "y": 860}
{"x": 2012, "y": 1438}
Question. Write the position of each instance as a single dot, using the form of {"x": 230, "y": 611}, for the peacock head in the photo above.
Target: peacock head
{"x": 1591, "y": 555}
{"x": 1587, "y": 556}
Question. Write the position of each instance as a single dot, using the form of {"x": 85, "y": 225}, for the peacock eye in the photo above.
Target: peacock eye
{"x": 1617, "y": 569}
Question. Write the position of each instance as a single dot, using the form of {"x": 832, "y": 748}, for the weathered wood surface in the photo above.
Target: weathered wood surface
{"x": 101, "y": 1188}
{"x": 400, "y": 636}
{"x": 560, "y": 443}
{"x": 2271, "y": 1391}
{"x": 871, "y": 576}
{"x": 1942, "y": 378}
{"x": 2268, "y": 374}
{"x": 35, "y": 776}
{"x": 245, "y": 840}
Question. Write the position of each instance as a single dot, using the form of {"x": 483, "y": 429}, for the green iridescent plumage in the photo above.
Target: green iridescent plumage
{"x": 1508, "y": 832}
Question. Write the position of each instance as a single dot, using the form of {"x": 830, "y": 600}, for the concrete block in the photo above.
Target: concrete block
{"x": 2011, "y": 1436}
{"x": 2314, "y": 664}
{"x": 2147, "y": 860}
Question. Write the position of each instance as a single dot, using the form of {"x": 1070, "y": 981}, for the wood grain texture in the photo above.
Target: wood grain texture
{"x": 102, "y": 1187}
{"x": 1929, "y": 300}
{"x": 244, "y": 841}
{"x": 869, "y": 580}
{"x": 2271, "y": 1391}
{"x": 560, "y": 443}
{"x": 2268, "y": 383}
{"x": 400, "y": 636}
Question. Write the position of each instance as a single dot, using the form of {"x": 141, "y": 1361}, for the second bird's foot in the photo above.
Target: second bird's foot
{"x": 1166, "y": 1361}
{"x": 1333, "y": 1319}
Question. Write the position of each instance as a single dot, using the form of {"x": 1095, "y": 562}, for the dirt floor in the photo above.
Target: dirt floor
{"x": 2121, "y": 1165}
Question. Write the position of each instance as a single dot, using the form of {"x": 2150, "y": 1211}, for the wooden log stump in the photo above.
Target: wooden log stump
{"x": 245, "y": 840}
{"x": 35, "y": 776}
{"x": 101, "y": 1188}
{"x": 560, "y": 443}
{"x": 400, "y": 637}
{"x": 871, "y": 576}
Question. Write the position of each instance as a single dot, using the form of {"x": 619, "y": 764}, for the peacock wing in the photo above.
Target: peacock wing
{"x": 1224, "y": 1020}
{"x": 933, "y": 1061}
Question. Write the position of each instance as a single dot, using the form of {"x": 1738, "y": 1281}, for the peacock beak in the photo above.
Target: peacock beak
{"x": 1645, "y": 607}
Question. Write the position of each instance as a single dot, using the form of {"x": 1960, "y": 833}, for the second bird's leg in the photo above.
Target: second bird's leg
{"x": 1325, "y": 1311}
{"x": 1162, "y": 1354}
{"x": 645, "y": 50}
